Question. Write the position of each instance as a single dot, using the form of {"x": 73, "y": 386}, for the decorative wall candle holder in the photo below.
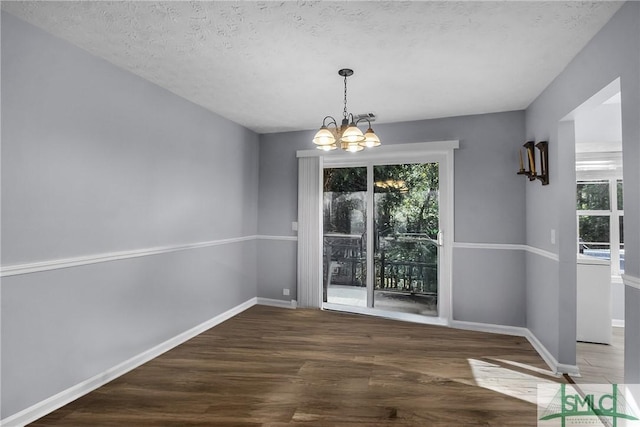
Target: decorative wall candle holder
{"x": 543, "y": 176}
{"x": 530, "y": 150}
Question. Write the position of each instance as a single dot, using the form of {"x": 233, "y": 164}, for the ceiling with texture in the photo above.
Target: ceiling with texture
{"x": 272, "y": 66}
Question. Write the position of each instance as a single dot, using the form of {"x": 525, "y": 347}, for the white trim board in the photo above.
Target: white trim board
{"x": 517, "y": 331}
{"x": 55, "y": 264}
{"x": 556, "y": 368}
{"x": 56, "y": 401}
{"x": 277, "y": 302}
{"x": 507, "y": 246}
{"x": 390, "y": 315}
{"x": 631, "y": 281}
{"x": 35, "y": 267}
{"x": 281, "y": 238}
{"x": 386, "y": 151}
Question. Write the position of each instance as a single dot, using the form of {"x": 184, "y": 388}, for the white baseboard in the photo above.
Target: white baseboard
{"x": 490, "y": 328}
{"x": 277, "y": 302}
{"x": 556, "y": 368}
{"x": 392, "y": 315}
{"x": 54, "y": 402}
{"x": 617, "y": 323}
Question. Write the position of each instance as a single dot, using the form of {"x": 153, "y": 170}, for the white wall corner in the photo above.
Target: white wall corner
{"x": 550, "y": 360}
{"x": 57, "y": 401}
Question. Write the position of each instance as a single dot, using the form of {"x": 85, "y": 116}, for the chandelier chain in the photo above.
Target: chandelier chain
{"x": 344, "y": 113}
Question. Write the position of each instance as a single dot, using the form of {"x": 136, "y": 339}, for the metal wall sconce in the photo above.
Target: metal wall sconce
{"x": 531, "y": 172}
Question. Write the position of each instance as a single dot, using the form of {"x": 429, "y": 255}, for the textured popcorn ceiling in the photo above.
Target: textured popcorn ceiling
{"x": 272, "y": 66}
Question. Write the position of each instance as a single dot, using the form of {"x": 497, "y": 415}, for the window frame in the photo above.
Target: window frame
{"x": 614, "y": 215}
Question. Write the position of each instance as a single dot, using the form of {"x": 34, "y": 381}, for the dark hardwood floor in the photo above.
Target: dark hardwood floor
{"x": 280, "y": 367}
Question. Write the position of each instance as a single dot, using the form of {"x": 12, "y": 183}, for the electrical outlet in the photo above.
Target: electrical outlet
{"x": 553, "y": 236}
{"x": 294, "y": 226}
{"x": 285, "y": 291}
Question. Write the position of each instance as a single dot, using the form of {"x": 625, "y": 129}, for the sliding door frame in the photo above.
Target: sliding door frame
{"x": 426, "y": 152}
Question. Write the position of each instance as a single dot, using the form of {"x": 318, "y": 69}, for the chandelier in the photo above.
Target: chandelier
{"x": 348, "y": 136}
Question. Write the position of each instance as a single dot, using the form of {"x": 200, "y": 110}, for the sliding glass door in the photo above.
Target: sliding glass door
{"x": 381, "y": 237}
{"x": 344, "y": 236}
{"x": 406, "y": 224}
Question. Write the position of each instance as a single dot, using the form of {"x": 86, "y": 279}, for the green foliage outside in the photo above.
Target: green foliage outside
{"x": 406, "y": 221}
{"x": 406, "y": 198}
{"x": 594, "y": 195}
{"x": 619, "y": 192}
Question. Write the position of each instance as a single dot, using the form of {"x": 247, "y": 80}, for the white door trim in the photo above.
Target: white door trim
{"x": 440, "y": 151}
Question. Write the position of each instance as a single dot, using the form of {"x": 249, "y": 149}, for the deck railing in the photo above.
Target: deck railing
{"x": 406, "y": 276}
{"x": 345, "y": 263}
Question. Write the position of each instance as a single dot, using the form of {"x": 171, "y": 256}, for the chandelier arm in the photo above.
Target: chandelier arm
{"x": 352, "y": 117}
{"x": 333, "y": 121}
{"x": 362, "y": 119}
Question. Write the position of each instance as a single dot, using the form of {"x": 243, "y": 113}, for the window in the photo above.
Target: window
{"x": 599, "y": 209}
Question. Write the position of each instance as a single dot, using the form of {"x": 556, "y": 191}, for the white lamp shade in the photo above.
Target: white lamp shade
{"x": 370, "y": 139}
{"x": 352, "y": 134}
{"x": 327, "y": 147}
{"x": 324, "y": 137}
{"x": 352, "y": 147}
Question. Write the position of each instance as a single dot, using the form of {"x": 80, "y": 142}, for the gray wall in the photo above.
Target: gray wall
{"x": 612, "y": 53}
{"x": 617, "y": 301}
{"x": 489, "y": 208}
{"x": 97, "y": 160}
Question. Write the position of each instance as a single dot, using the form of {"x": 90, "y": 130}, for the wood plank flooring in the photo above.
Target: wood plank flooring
{"x": 599, "y": 363}
{"x": 278, "y": 367}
